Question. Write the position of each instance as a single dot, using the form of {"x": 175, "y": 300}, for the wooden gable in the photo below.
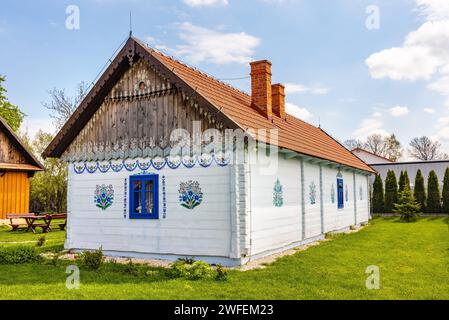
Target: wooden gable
{"x": 137, "y": 118}
{"x": 13, "y": 154}
{"x": 9, "y": 152}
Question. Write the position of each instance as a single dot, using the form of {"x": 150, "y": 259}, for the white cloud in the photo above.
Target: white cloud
{"x": 205, "y": 3}
{"x": 297, "y": 111}
{"x": 429, "y": 110}
{"x": 442, "y": 130}
{"x": 399, "y": 111}
{"x": 207, "y": 45}
{"x": 368, "y": 127}
{"x": 377, "y": 114}
{"x": 299, "y": 88}
{"x": 424, "y": 53}
{"x": 402, "y": 64}
{"x": 441, "y": 85}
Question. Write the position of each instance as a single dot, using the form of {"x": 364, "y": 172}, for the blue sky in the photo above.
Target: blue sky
{"x": 356, "y": 80}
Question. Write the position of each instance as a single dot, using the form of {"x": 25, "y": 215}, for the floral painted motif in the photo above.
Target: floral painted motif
{"x": 278, "y": 199}
{"x": 332, "y": 194}
{"x": 158, "y": 163}
{"x": 346, "y": 193}
{"x": 104, "y": 196}
{"x": 312, "y": 193}
{"x": 361, "y": 193}
{"x": 190, "y": 194}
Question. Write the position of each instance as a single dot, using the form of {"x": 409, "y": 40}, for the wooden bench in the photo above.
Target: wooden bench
{"x": 37, "y": 221}
{"x": 17, "y": 221}
{"x": 58, "y": 216}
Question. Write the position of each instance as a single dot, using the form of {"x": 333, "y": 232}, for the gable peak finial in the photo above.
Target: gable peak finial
{"x": 130, "y": 24}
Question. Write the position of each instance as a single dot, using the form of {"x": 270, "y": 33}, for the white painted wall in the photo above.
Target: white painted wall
{"x": 313, "y": 211}
{"x": 273, "y": 227}
{"x": 203, "y": 231}
{"x": 237, "y": 212}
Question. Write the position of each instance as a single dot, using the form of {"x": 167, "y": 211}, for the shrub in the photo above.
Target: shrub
{"x": 192, "y": 270}
{"x": 222, "y": 273}
{"x": 446, "y": 192}
{"x": 40, "y": 242}
{"x": 419, "y": 191}
{"x": 92, "y": 260}
{"x": 131, "y": 269}
{"x": 378, "y": 195}
{"x": 433, "y": 194}
{"x": 407, "y": 206}
{"x": 391, "y": 191}
{"x": 17, "y": 255}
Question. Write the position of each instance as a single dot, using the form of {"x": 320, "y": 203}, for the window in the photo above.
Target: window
{"x": 144, "y": 197}
{"x": 340, "y": 196}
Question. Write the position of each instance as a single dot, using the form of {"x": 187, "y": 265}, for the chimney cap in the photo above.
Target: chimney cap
{"x": 260, "y": 62}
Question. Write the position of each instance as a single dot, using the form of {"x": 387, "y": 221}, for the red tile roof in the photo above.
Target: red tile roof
{"x": 294, "y": 134}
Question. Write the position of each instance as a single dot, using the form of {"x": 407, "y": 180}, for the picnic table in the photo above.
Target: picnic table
{"x": 37, "y": 220}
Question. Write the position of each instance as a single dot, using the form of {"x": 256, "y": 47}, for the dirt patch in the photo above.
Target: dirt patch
{"x": 148, "y": 262}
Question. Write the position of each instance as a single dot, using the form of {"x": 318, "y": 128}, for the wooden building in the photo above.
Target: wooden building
{"x": 17, "y": 165}
{"x": 135, "y": 192}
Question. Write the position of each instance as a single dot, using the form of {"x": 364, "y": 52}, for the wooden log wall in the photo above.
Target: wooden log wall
{"x": 140, "y": 113}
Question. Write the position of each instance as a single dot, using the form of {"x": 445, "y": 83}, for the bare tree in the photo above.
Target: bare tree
{"x": 62, "y": 106}
{"x": 352, "y": 144}
{"x": 384, "y": 146}
{"x": 377, "y": 144}
{"x": 422, "y": 148}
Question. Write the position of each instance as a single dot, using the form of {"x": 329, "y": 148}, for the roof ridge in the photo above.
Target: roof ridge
{"x": 147, "y": 46}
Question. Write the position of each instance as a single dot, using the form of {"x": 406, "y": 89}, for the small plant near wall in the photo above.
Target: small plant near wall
{"x": 40, "y": 242}
{"x": 407, "y": 206}
{"x": 92, "y": 260}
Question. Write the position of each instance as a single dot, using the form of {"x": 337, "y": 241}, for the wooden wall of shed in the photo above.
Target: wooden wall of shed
{"x": 134, "y": 118}
{"x": 14, "y": 193}
{"x": 8, "y": 152}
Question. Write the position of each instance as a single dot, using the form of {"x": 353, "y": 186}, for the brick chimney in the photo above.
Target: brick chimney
{"x": 278, "y": 100}
{"x": 261, "y": 86}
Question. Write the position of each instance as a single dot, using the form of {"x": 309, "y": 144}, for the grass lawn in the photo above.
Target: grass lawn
{"x": 413, "y": 260}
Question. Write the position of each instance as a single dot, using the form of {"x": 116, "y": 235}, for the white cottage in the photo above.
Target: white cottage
{"x": 137, "y": 189}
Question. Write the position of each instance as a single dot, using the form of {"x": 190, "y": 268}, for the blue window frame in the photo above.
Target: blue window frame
{"x": 144, "y": 197}
{"x": 341, "y": 203}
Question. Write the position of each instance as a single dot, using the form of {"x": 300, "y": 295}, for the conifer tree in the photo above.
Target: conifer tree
{"x": 378, "y": 195}
{"x": 446, "y": 192}
{"x": 391, "y": 191}
{"x": 433, "y": 194}
{"x": 419, "y": 191}
{"x": 407, "y": 206}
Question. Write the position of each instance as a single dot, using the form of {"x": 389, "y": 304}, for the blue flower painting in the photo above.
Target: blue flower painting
{"x": 312, "y": 193}
{"x": 278, "y": 199}
{"x": 104, "y": 196}
{"x": 190, "y": 194}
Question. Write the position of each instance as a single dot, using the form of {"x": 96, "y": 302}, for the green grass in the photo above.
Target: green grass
{"x": 413, "y": 260}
